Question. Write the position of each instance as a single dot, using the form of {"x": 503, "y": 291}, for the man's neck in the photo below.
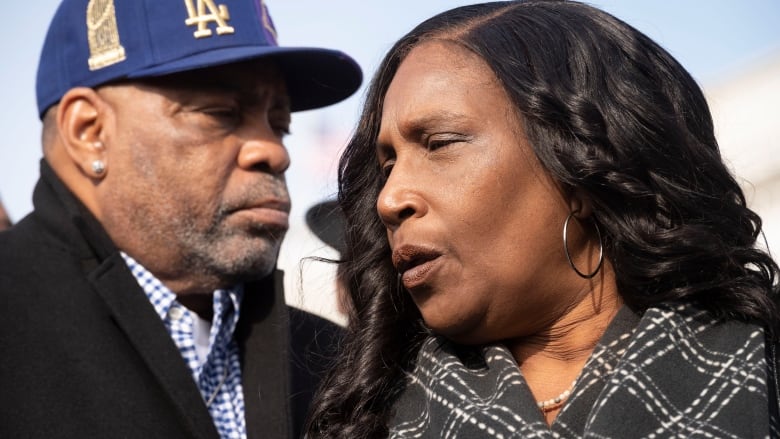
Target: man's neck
{"x": 200, "y": 304}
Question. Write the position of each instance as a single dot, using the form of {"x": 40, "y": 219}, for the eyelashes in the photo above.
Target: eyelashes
{"x": 233, "y": 116}
{"x": 429, "y": 144}
{"x": 386, "y": 168}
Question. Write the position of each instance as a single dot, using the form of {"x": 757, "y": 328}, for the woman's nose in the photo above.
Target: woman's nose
{"x": 400, "y": 199}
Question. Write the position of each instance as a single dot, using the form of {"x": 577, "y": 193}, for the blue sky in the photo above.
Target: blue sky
{"x": 712, "y": 39}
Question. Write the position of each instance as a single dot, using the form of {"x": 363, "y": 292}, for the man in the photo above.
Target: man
{"x": 140, "y": 298}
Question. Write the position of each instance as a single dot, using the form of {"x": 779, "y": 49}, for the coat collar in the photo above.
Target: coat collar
{"x": 68, "y": 219}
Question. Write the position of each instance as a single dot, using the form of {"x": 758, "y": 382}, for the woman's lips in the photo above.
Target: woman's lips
{"x": 419, "y": 274}
{"x": 415, "y": 264}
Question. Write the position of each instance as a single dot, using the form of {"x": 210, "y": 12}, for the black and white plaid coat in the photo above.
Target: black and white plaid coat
{"x": 672, "y": 372}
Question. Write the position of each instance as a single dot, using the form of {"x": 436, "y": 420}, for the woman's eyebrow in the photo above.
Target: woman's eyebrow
{"x": 422, "y": 124}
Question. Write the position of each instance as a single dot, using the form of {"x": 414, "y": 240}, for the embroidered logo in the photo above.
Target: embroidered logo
{"x": 206, "y": 12}
{"x": 103, "y": 35}
{"x": 268, "y": 25}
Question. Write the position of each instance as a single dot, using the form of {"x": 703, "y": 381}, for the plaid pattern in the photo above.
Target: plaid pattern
{"x": 676, "y": 372}
{"x": 219, "y": 378}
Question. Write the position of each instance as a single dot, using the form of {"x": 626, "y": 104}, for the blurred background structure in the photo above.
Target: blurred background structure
{"x": 744, "y": 106}
{"x": 731, "y": 48}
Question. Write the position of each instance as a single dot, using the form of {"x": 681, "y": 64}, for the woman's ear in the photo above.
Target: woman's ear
{"x": 580, "y": 203}
{"x": 80, "y": 120}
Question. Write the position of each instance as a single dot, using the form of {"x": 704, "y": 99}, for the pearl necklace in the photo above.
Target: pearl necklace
{"x": 553, "y": 403}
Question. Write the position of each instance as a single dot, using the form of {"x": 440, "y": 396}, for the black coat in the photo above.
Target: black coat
{"x": 85, "y": 355}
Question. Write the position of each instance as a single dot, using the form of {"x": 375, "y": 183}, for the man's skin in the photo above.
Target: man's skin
{"x": 5, "y": 222}
{"x": 193, "y": 187}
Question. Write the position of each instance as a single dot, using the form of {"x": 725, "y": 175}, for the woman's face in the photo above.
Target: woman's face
{"x": 473, "y": 220}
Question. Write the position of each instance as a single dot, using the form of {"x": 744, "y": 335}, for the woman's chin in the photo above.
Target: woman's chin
{"x": 461, "y": 329}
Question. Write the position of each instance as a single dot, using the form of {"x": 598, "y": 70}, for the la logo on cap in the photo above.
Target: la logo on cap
{"x": 206, "y": 12}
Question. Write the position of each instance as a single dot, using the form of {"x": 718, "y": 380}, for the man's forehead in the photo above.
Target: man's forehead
{"x": 249, "y": 74}
{"x": 251, "y": 77}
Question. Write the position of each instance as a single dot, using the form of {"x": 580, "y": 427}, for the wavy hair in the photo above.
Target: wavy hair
{"x": 607, "y": 111}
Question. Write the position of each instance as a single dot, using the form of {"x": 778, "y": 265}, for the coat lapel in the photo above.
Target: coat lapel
{"x": 264, "y": 339}
{"x": 146, "y": 332}
{"x": 107, "y": 272}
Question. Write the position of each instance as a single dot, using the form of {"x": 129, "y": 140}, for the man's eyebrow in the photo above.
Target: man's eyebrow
{"x": 209, "y": 84}
{"x": 245, "y": 93}
{"x": 247, "y": 90}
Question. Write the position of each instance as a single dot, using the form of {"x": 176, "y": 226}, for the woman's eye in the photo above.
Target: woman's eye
{"x": 435, "y": 142}
{"x": 387, "y": 167}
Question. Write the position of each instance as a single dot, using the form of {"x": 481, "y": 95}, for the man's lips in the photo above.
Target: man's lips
{"x": 273, "y": 213}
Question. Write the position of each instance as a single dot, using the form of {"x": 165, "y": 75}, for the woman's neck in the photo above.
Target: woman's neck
{"x": 553, "y": 358}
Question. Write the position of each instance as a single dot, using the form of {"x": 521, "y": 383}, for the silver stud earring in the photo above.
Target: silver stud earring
{"x": 98, "y": 167}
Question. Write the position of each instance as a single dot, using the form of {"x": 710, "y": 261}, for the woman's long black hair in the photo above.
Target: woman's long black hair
{"x": 608, "y": 112}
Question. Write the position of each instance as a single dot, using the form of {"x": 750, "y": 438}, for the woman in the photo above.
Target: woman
{"x": 559, "y": 250}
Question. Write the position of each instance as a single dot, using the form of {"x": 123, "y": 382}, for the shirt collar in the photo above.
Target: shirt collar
{"x": 227, "y": 302}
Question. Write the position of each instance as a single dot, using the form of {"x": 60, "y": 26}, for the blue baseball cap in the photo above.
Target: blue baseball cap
{"x": 93, "y": 42}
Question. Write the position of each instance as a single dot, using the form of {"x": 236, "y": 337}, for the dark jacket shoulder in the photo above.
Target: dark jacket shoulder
{"x": 314, "y": 345}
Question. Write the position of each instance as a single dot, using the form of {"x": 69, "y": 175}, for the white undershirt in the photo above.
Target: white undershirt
{"x": 201, "y": 330}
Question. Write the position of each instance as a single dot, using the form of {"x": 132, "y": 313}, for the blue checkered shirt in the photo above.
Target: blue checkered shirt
{"x": 219, "y": 378}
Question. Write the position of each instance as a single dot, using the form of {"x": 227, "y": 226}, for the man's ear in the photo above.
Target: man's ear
{"x": 81, "y": 121}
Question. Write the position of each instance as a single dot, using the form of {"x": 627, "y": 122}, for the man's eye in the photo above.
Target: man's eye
{"x": 231, "y": 113}
{"x": 280, "y": 129}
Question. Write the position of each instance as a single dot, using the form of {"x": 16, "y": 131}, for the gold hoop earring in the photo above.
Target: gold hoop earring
{"x": 566, "y": 248}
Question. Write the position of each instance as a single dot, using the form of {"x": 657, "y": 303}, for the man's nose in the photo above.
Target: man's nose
{"x": 263, "y": 149}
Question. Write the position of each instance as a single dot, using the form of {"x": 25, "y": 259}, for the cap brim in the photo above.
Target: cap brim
{"x": 315, "y": 77}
